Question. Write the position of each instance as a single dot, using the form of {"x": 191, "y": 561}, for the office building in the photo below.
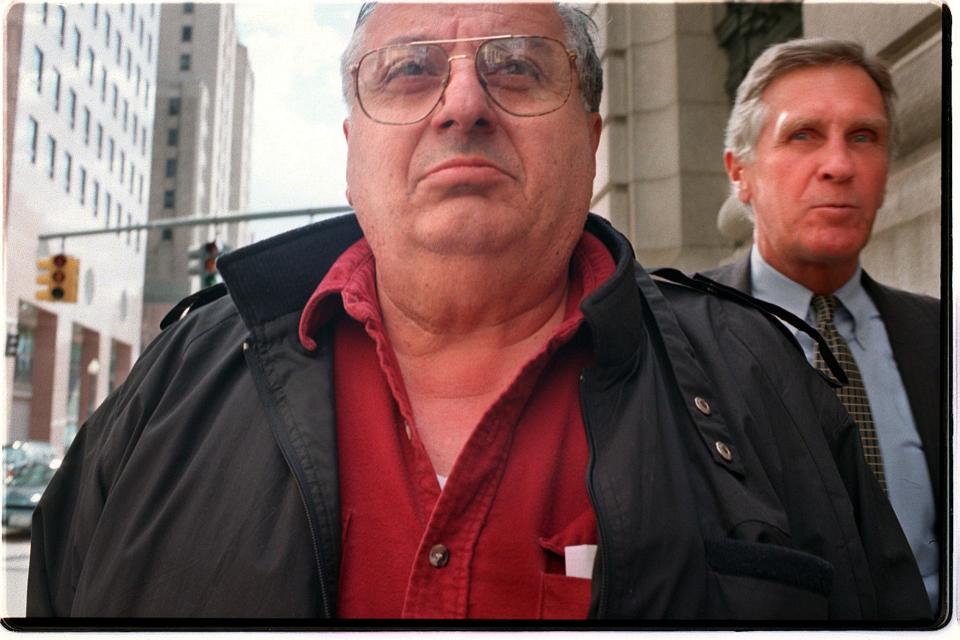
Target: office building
{"x": 202, "y": 146}
{"x": 80, "y": 93}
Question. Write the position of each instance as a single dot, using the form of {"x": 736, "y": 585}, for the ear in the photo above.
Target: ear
{"x": 736, "y": 171}
{"x": 596, "y": 128}
{"x": 346, "y": 129}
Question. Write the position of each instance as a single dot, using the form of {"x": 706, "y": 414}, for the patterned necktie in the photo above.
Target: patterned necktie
{"x": 853, "y": 395}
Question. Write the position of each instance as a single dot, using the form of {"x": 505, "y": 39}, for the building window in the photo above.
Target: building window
{"x": 95, "y": 200}
{"x": 67, "y": 171}
{"x": 168, "y": 197}
{"x": 138, "y": 80}
{"x": 174, "y": 107}
{"x": 38, "y": 68}
{"x": 51, "y": 156}
{"x": 119, "y": 212}
{"x": 111, "y": 148}
{"x": 129, "y": 222}
{"x": 173, "y": 135}
{"x": 108, "y": 204}
{"x": 171, "y": 170}
{"x": 34, "y": 130}
{"x": 188, "y": 7}
{"x": 106, "y": 29}
{"x": 134, "y": 130}
{"x": 72, "y": 108}
{"x": 184, "y": 62}
{"x": 186, "y": 34}
{"x": 103, "y": 84}
{"x": 140, "y": 37}
{"x": 126, "y": 113}
{"x": 123, "y": 165}
{"x": 166, "y": 234}
{"x": 115, "y": 98}
{"x": 99, "y": 141}
{"x": 86, "y": 126}
{"x": 149, "y": 47}
{"x": 129, "y": 62}
{"x": 133, "y": 15}
{"x": 146, "y": 94}
{"x": 83, "y": 186}
{"x": 96, "y": 13}
{"x": 133, "y": 172}
{"x": 45, "y": 9}
{"x": 140, "y": 189}
{"x": 76, "y": 47}
{"x": 91, "y": 62}
{"x": 63, "y": 24}
{"x": 143, "y": 140}
{"x": 55, "y": 89}
{"x": 119, "y": 42}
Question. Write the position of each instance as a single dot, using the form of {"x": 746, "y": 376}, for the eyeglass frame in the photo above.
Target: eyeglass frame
{"x": 355, "y": 72}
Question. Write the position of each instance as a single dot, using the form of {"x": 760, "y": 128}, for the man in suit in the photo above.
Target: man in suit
{"x": 808, "y": 146}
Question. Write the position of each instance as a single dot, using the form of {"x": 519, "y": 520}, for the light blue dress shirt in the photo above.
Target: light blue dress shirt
{"x": 904, "y": 465}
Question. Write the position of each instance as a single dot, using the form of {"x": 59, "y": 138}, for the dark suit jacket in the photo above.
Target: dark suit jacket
{"x": 913, "y": 327}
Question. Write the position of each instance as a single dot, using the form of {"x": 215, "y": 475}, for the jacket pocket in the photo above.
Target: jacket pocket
{"x": 758, "y": 581}
{"x": 563, "y": 597}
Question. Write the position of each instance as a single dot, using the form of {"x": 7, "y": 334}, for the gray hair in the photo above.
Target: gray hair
{"x": 749, "y": 113}
{"x": 580, "y": 33}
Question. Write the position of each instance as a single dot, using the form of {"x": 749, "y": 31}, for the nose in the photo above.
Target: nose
{"x": 837, "y": 162}
{"x": 464, "y": 104}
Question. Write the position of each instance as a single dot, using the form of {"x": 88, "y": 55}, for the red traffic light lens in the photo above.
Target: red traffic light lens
{"x": 59, "y": 276}
{"x": 59, "y": 260}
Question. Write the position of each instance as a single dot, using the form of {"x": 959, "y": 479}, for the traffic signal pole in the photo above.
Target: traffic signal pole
{"x": 194, "y": 221}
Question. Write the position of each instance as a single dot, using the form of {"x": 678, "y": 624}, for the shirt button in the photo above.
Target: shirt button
{"x": 702, "y": 405}
{"x": 724, "y": 451}
{"x": 439, "y": 556}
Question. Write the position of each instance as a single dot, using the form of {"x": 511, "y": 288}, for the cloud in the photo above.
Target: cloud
{"x": 298, "y": 155}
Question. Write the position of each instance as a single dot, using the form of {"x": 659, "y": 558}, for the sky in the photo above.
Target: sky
{"x": 298, "y": 152}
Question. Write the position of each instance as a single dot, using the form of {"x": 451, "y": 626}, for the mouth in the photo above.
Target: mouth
{"x": 836, "y": 206}
{"x": 465, "y": 170}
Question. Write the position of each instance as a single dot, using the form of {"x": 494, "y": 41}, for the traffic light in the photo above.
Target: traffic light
{"x": 61, "y": 276}
{"x": 203, "y": 263}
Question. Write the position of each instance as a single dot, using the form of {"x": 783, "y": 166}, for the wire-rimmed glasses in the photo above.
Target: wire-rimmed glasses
{"x": 523, "y": 75}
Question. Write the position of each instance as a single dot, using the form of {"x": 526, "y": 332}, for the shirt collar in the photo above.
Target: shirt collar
{"x": 350, "y": 286}
{"x": 771, "y": 285}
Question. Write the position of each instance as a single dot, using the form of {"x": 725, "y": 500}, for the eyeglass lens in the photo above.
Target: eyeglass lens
{"x": 525, "y": 76}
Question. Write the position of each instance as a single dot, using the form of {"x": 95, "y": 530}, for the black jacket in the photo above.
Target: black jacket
{"x": 207, "y": 484}
{"x": 912, "y": 322}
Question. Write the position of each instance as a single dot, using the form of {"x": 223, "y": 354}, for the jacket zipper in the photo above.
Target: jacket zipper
{"x": 284, "y": 445}
{"x": 592, "y": 494}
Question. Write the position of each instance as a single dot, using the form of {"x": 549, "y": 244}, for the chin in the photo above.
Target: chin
{"x": 476, "y": 228}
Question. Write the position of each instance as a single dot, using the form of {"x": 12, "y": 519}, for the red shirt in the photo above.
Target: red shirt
{"x": 491, "y": 544}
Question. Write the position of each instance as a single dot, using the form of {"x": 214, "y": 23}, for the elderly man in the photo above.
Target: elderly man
{"x": 473, "y": 403}
{"x": 808, "y": 146}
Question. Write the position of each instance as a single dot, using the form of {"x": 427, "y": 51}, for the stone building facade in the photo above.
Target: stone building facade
{"x": 669, "y": 69}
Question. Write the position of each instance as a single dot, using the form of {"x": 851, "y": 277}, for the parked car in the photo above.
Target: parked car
{"x": 21, "y": 452}
{"x": 23, "y": 490}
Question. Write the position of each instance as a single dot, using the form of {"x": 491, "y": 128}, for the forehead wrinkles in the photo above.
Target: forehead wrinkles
{"x": 409, "y": 22}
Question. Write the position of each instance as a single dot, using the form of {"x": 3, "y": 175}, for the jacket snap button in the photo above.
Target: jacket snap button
{"x": 439, "y": 556}
{"x": 702, "y": 405}
{"x": 724, "y": 451}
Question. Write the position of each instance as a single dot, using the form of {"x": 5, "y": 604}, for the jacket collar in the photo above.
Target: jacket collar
{"x": 276, "y": 277}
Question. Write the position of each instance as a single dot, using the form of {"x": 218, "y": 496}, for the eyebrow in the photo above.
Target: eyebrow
{"x": 859, "y": 123}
